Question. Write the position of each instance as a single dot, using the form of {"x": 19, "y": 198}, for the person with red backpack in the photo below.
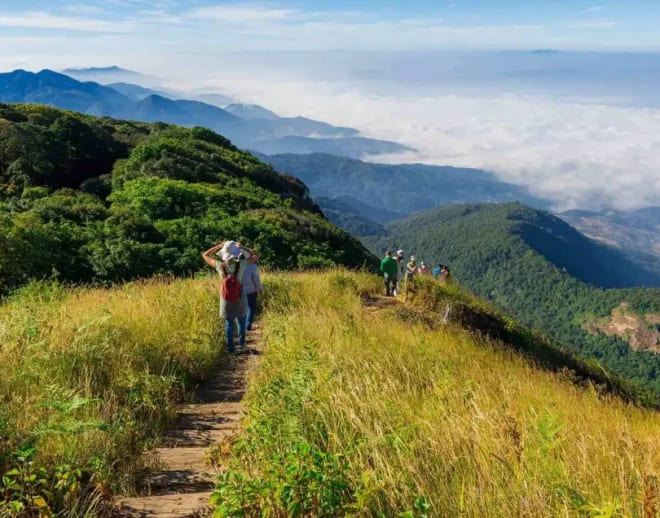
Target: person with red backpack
{"x": 231, "y": 266}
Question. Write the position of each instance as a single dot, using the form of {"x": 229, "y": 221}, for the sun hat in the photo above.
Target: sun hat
{"x": 229, "y": 251}
{"x": 399, "y": 252}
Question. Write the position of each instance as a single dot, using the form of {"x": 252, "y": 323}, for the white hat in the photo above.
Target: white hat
{"x": 399, "y": 252}
{"x": 230, "y": 250}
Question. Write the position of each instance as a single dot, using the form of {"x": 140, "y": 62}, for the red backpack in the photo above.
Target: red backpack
{"x": 231, "y": 286}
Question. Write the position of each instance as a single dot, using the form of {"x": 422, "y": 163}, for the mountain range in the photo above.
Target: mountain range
{"x": 104, "y": 75}
{"x": 371, "y": 194}
{"x": 248, "y": 130}
{"x": 383, "y": 192}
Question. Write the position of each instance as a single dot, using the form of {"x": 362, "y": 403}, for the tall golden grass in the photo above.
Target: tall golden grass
{"x": 395, "y": 411}
{"x": 441, "y": 414}
{"x": 88, "y": 377}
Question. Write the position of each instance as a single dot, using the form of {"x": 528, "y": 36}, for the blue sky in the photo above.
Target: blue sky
{"x": 199, "y": 25}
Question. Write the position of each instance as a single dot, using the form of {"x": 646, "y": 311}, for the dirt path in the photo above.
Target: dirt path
{"x": 184, "y": 483}
{"x": 378, "y": 302}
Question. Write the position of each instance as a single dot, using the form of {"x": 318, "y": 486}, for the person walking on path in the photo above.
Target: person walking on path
{"x": 231, "y": 266}
{"x": 252, "y": 286}
{"x": 401, "y": 271}
{"x": 445, "y": 275}
{"x": 411, "y": 270}
{"x": 390, "y": 269}
{"x": 424, "y": 269}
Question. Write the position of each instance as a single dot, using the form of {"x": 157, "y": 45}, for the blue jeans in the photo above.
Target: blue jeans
{"x": 229, "y": 332}
{"x": 252, "y": 309}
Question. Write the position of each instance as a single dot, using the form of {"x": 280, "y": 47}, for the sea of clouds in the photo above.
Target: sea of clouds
{"x": 587, "y": 152}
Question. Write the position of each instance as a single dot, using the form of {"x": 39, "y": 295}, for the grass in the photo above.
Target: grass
{"x": 360, "y": 412}
{"x": 88, "y": 378}
{"x": 353, "y": 411}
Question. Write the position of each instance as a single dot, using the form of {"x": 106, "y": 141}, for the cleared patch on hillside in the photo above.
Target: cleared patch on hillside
{"x": 642, "y": 332}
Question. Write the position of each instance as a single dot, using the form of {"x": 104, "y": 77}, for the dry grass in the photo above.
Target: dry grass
{"x": 443, "y": 414}
{"x": 89, "y": 377}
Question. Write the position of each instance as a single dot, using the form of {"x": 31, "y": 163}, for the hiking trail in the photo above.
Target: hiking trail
{"x": 376, "y": 303}
{"x": 184, "y": 483}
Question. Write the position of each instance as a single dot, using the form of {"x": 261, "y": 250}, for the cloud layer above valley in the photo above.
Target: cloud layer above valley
{"x": 576, "y": 153}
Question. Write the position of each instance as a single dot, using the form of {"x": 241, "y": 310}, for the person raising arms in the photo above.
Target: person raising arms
{"x": 230, "y": 261}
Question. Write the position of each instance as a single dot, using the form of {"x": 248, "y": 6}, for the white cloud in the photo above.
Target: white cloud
{"x": 577, "y": 155}
{"x": 292, "y": 29}
{"x": 594, "y": 9}
{"x": 594, "y": 24}
{"x": 239, "y": 13}
{"x": 43, "y": 20}
{"x": 82, "y": 9}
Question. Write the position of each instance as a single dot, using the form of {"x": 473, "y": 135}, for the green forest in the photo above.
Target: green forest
{"x": 540, "y": 270}
{"x": 96, "y": 200}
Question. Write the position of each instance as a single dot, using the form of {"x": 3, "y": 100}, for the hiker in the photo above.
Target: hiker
{"x": 445, "y": 275}
{"x": 437, "y": 270}
{"x": 252, "y": 286}
{"x": 390, "y": 269}
{"x": 231, "y": 267}
{"x": 411, "y": 269}
{"x": 401, "y": 272}
{"x": 424, "y": 269}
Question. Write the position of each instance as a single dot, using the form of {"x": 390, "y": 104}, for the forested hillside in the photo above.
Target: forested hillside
{"x": 540, "y": 270}
{"x": 402, "y": 188}
{"x": 84, "y": 199}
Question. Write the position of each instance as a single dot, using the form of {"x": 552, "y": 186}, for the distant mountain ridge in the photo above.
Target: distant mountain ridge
{"x": 635, "y": 232}
{"x": 390, "y": 191}
{"x": 251, "y": 111}
{"x": 135, "y": 92}
{"x": 103, "y": 74}
{"x": 270, "y": 135}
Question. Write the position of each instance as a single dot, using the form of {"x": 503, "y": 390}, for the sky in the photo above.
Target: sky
{"x": 341, "y": 24}
{"x": 460, "y": 81}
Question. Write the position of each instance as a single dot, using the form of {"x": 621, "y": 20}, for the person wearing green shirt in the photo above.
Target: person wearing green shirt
{"x": 389, "y": 268}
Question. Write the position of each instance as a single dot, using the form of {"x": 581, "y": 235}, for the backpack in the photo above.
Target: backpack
{"x": 231, "y": 286}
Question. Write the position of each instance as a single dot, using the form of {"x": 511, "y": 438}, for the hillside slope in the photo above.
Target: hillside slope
{"x": 358, "y": 405}
{"x": 402, "y": 188}
{"x": 536, "y": 267}
{"x": 367, "y": 407}
{"x": 635, "y": 232}
{"x": 85, "y": 199}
